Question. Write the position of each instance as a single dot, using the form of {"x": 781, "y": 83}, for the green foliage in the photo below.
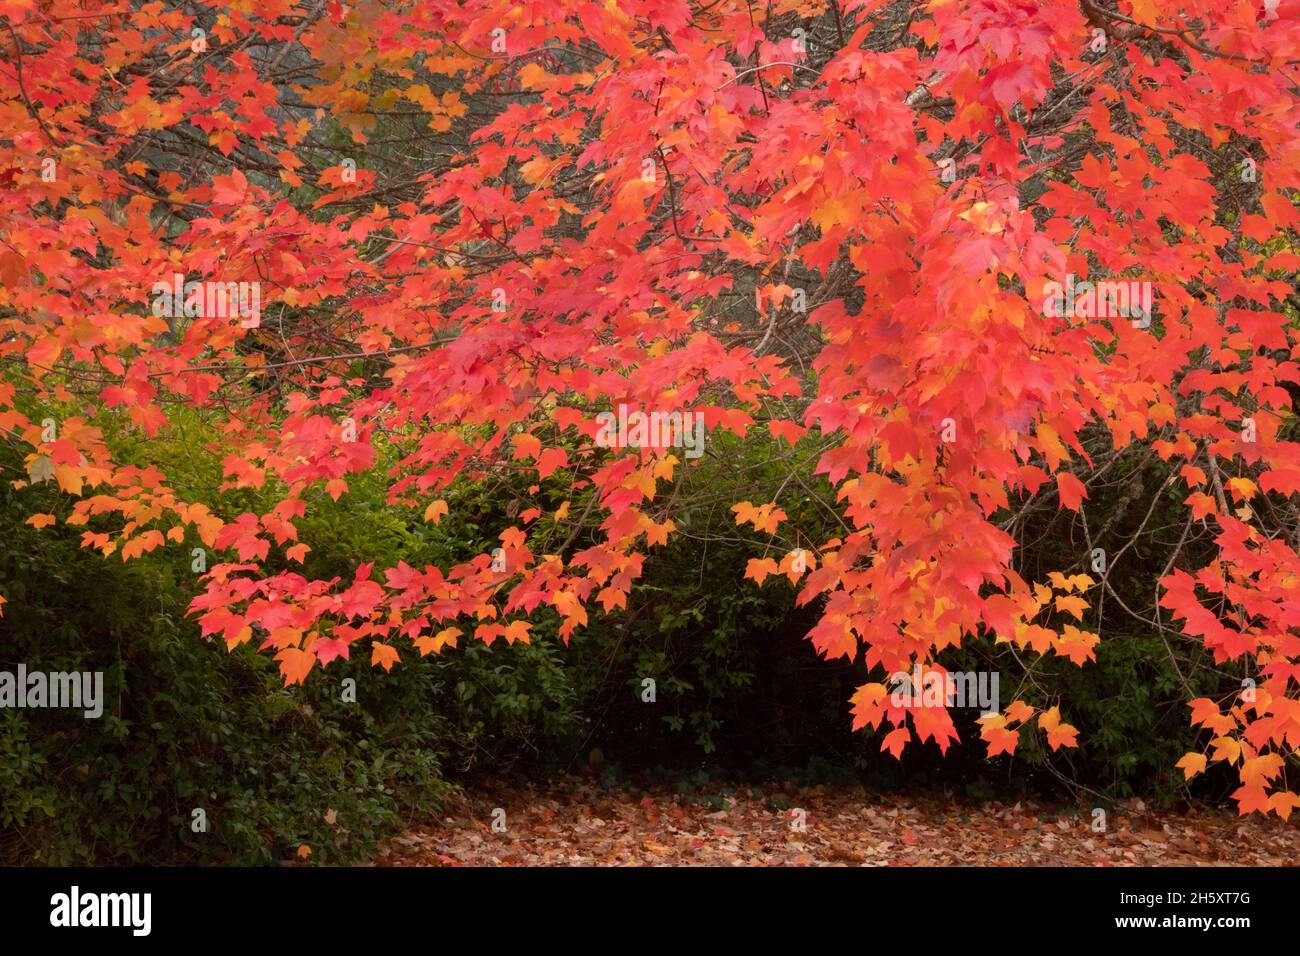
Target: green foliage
{"x": 186, "y": 726}
{"x": 1130, "y": 704}
{"x": 735, "y": 681}
{"x": 738, "y": 689}
{"x": 189, "y": 725}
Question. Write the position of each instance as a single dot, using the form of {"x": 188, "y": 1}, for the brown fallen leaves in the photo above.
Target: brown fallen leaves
{"x": 573, "y": 823}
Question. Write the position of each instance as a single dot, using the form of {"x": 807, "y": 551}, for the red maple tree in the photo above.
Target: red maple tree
{"x": 459, "y": 232}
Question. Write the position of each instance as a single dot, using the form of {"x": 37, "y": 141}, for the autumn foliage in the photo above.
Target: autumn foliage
{"x": 475, "y": 226}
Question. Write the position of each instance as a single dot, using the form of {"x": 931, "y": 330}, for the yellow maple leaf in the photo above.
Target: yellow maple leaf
{"x": 1191, "y": 765}
{"x": 1241, "y": 488}
{"x": 1072, "y": 605}
{"x": 385, "y": 655}
{"x": 69, "y": 478}
{"x": 1019, "y": 710}
{"x": 759, "y": 568}
{"x": 295, "y": 663}
{"x": 1226, "y": 748}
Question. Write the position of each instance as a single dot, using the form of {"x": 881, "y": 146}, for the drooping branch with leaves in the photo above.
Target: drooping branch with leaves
{"x": 474, "y": 228}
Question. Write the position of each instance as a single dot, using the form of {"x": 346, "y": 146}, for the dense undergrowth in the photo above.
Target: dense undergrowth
{"x": 355, "y": 752}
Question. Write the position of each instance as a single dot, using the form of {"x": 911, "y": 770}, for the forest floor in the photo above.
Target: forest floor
{"x": 576, "y": 822}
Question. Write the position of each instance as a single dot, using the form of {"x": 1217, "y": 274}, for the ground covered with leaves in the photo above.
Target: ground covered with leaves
{"x": 576, "y": 822}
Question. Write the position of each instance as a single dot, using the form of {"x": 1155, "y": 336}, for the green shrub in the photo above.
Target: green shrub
{"x": 189, "y": 725}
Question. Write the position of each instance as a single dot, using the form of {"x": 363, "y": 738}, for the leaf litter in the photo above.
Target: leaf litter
{"x": 575, "y": 822}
